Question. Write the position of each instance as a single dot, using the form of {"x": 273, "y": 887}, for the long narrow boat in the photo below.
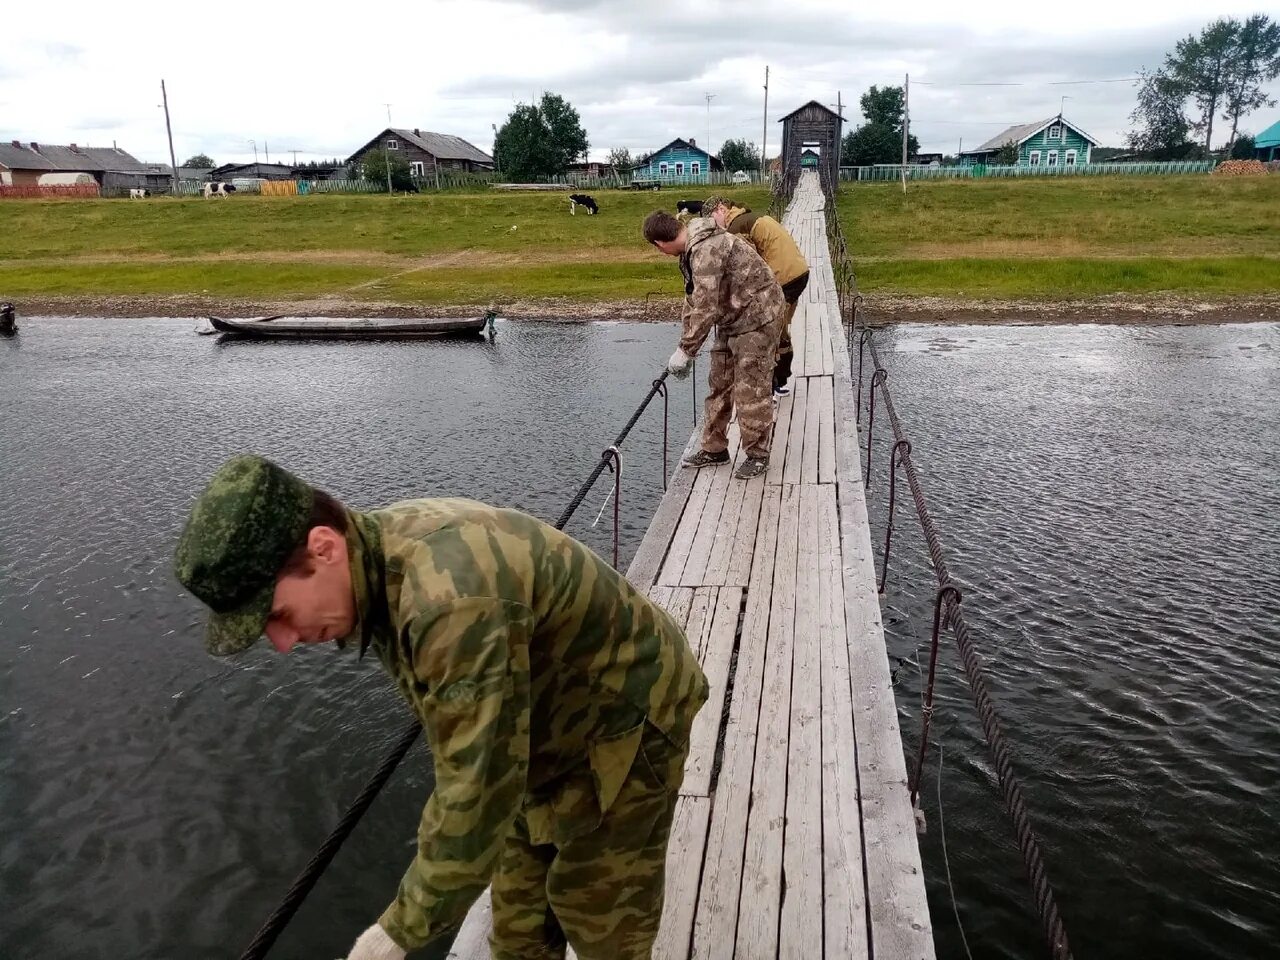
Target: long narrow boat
{"x": 319, "y": 328}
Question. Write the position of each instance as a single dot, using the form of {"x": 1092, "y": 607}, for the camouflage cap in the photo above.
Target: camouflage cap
{"x": 709, "y": 205}
{"x": 249, "y": 519}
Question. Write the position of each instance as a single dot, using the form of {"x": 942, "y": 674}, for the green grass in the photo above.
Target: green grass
{"x": 1014, "y": 239}
{"x": 1066, "y": 238}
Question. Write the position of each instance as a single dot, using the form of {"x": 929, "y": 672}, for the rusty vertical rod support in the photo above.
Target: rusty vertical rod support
{"x": 614, "y": 458}
{"x": 893, "y": 487}
{"x": 660, "y": 386}
{"x": 877, "y": 379}
{"x": 927, "y": 713}
{"x": 857, "y": 403}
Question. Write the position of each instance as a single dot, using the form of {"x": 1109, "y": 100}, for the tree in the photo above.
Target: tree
{"x": 1242, "y": 149}
{"x": 200, "y": 160}
{"x": 372, "y": 166}
{"x": 1161, "y": 128}
{"x": 1007, "y": 155}
{"x": 1255, "y": 61}
{"x": 620, "y": 159}
{"x": 1200, "y": 67}
{"x": 879, "y": 140}
{"x": 541, "y": 140}
{"x": 739, "y": 155}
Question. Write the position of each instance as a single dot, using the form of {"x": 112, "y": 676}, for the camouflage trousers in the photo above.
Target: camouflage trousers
{"x": 741, "y": 376}
{"x": 601, "y": 892}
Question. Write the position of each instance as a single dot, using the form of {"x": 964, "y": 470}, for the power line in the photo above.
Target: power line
{"x": 1024, "y": 83}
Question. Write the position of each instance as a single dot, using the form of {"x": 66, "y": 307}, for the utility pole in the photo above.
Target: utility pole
{"x": 764, "y": 137}
{"x": 709, "y": 97}
{"x": 255, "y": 152}
{"x": 267, "y": 147}
{"x": 295, "y": 157}
{"x": 386, "y": 154}
{"x": 168, "y": 128}
{"x": 906, "y": 121}
{"x": 839, "y": 140}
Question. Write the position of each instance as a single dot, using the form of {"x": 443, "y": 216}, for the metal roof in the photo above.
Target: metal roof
{"x": 1021, "y": 132}
{"x": 1269, "y": 137}
{"x": 50, "y": 156}
{"x": 445, "y": 146}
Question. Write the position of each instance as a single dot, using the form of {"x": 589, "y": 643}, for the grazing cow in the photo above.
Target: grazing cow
{"x": 581, "y": 198}
{"x": 219, "y": 189}
{"x": 691, "y": 207}
{"x": 136, "y": 194}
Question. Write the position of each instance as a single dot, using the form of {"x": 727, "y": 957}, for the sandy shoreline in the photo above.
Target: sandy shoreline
{"x": 876, "y": 310}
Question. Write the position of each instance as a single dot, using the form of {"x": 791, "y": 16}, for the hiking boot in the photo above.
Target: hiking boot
{"x": 751, "y": 467}
{"x": 704, "y": 459}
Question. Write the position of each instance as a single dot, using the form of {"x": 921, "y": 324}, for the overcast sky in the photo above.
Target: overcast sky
{"x": 300, "y": 78}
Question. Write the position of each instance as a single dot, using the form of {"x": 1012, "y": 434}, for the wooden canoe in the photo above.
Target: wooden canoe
{"x": 318, "y": 328}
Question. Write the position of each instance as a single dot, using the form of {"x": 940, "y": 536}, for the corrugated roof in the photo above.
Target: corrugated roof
{"x": 52, "y": 156}
{"x": 1024, "y": 131}
{"x": 446, "y": 146}
{"x": 1269, "y": 137}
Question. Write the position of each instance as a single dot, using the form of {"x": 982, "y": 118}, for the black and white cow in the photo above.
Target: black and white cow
{"x": 138, "y": 194}
{"x": 219, "y": 189}
{"x": 581, "y": 198}
{"x": 692, "y": 207}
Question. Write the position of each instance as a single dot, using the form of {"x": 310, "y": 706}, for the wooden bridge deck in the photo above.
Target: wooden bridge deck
{"x": 794, "y": 837}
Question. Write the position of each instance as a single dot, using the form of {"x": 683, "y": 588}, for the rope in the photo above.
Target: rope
{"x": 310, "y": 874}
{"x": 1010, "y": 789}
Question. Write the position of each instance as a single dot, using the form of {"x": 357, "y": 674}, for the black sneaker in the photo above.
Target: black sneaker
{"x": 751, "y": 468}
{"x": 704, "y": 459}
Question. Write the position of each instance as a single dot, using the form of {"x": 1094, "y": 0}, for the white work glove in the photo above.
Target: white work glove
{"x": 678, "y": 365}
{"x": 375, "y": 944}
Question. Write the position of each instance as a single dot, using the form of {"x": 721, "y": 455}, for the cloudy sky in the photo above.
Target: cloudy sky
{"x": 300, "y": 78}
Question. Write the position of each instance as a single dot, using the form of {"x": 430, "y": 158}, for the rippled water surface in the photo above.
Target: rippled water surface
{"x": 155, "y": 802}
{"x": 1109, "y": 498}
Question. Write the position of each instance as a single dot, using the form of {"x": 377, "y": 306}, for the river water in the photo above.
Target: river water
{"x": 1109, "y": 498}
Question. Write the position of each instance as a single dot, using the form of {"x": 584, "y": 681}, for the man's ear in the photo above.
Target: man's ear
{"x": 323, "y": 544}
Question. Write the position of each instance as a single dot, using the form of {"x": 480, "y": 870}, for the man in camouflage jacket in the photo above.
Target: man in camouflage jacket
{"x": 729, "y": 287}
{"x": 557, "y": 701}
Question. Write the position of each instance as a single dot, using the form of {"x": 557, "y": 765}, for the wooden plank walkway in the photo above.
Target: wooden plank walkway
{"x": 793, "y": 836}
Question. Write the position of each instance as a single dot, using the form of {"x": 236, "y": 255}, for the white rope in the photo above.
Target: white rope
{"x": 942, "y": 829}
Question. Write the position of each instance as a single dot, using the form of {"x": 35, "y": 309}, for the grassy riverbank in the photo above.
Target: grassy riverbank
{"x": 944, "y": 250}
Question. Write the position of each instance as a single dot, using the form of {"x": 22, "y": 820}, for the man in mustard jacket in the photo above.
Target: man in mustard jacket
{"x": 557, "y": 701}
{"x": 779, "y": 250}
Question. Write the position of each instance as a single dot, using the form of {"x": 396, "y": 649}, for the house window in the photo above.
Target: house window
{"x": 1035, "y": 158}
{"x": 679, "y": 168}
{"x": 418, "y": 168}
{"x": 1071, "y": 158}
{"x": 393, "y": 144}
{"x": 695, "y": 167}
{"x": 1055, "y": 132}
{"x": 662, "y": 168}
{"x": 1053, "y": 158}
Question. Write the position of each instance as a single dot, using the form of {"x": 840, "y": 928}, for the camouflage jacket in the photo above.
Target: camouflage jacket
{"x": 772, "y": 241}
{"x": 723, "y": 276}
{"x": 534, "y": 667}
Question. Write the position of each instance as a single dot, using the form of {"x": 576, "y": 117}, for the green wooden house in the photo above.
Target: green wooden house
{"x": 1055, "y": 142}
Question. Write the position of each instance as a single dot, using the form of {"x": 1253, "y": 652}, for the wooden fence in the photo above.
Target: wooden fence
{"x": 893, "y": 171}
{"x": 31, "y": 191}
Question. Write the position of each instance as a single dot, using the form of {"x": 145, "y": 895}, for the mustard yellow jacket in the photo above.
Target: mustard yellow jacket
{"x": 772, "y": 242}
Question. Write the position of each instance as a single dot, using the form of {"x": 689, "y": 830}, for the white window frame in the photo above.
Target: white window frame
{"x": 417, "y": 168}
{"x": 679, "y": 168}
{"x": 1070, "y": 158}
{"x": 1055, "y": 131}
{"x": 1034, "y": 159}
{"x": 662, "y": 169}
{"x": 1053, "y": 159}
{"x": 393, "y": 144}
{"x": 695, "y": 168}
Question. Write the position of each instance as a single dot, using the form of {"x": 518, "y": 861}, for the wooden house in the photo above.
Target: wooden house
{"x": 1046, "y": 143}
{"x": 680, "y": 161}
{"x": 47, "y": 164}
{"x": 428, "y": 152}
{"x": 1266, "y": 145}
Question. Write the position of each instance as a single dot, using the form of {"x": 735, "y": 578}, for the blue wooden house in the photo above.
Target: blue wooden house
{"x": 1055, "y": 142}
{"x": 680, "y": 161}
{"x": 1266, "y": 145}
